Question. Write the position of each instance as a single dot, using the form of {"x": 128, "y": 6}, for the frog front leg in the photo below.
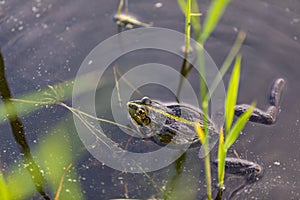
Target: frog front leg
{"x": 270, "y": 115}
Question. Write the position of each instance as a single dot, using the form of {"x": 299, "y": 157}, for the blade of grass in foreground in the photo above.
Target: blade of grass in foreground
{"x": 221, "y": 157}
{"x": 238, "y": 126}
{"x": 4, "y": 193}
{"x": 200, "y": 132}
{"x": 215, "y": 11}
{"x": 232, "y": 94}
{"x": 226, "y": 64}
{"x": 66, "y": 88}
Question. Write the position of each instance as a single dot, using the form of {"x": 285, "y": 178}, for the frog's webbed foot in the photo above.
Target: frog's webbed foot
{"x": 276, "y": 92}
{"x": 270, "y": 115}
{"x": 241, "y": 167}
{"x": 258, "y": 115}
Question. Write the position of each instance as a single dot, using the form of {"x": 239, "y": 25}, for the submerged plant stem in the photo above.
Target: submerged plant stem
{"x": 19, "y": 134}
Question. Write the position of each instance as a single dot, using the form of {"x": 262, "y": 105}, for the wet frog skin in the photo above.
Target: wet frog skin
{"x": 270, "y": 115}
{"x": 173, "y": 123}
{"x": 167, "y": 123}
{"x": 252, "y": 171}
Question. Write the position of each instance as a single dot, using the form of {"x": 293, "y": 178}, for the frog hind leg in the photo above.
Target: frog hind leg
{"x": 270, "y": 115}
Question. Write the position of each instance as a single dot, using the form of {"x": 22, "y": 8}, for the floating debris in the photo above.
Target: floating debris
{"x": 128, "y": 21}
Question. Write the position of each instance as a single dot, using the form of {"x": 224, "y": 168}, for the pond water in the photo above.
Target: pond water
{"x": 44, "y": 42}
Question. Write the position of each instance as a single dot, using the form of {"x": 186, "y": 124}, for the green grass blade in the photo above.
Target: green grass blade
{"x": 200, "y": 132}
{"x": 55, "y": 153}
{"x": 221, "y": 158}
{"x": 196, "y": 20}
{"x": 4, "y": 193}
{"x": 214, "y": 13}
{"x": 238, "y": 126}
{"x": 182, "y": 5}
{"x": 35, "y": 100}
{"x": 232, "y": 93}
{"x": 226, "y": 64}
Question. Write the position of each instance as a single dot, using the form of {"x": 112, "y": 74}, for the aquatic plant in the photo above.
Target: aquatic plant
{"x": 231, "y": 132}
{"x": 214, "y": 13}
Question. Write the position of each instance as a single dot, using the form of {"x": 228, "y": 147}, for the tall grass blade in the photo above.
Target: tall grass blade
{"x": 221, "y": 157}
{"x": 48, "y": 96}
{"x": 4, "y": 192}
{"x": 232, "y": 93}
{"x": 182, "y": 5}
{"x": 196, "y": 19}
{"x": 226, "y": 64}
{"x": 200, "y": 133}
{"x": 214, "y": 13}
{"x": 238, "y": 126}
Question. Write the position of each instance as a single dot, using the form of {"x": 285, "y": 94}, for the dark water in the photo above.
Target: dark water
{"x": 44, "y": 42}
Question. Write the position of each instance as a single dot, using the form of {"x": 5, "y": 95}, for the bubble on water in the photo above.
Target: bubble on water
{"x": 20, "y": 28}
{"x": 34, "y": 9}
{"x": 158, "y": 5}
{"x": 44, "y": 25}
{"x": 276, "y": 163}
{"x": 295, "y": 20}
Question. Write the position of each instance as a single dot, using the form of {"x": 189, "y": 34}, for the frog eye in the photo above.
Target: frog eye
{"x": 146, "y": 101}
{"x": 140, "y": 111}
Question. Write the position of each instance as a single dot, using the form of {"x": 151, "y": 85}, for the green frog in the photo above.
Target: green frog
{"x": 167, "y": 123}
{"x": 173, "y": 123}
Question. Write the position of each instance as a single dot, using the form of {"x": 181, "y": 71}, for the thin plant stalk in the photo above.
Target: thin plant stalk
{"x": 188, "y": 28}
{"x": 205, "y": 141}
{"x": 205, "y": 125}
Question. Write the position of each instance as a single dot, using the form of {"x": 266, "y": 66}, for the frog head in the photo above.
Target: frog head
{"x": 138, "y": 111}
